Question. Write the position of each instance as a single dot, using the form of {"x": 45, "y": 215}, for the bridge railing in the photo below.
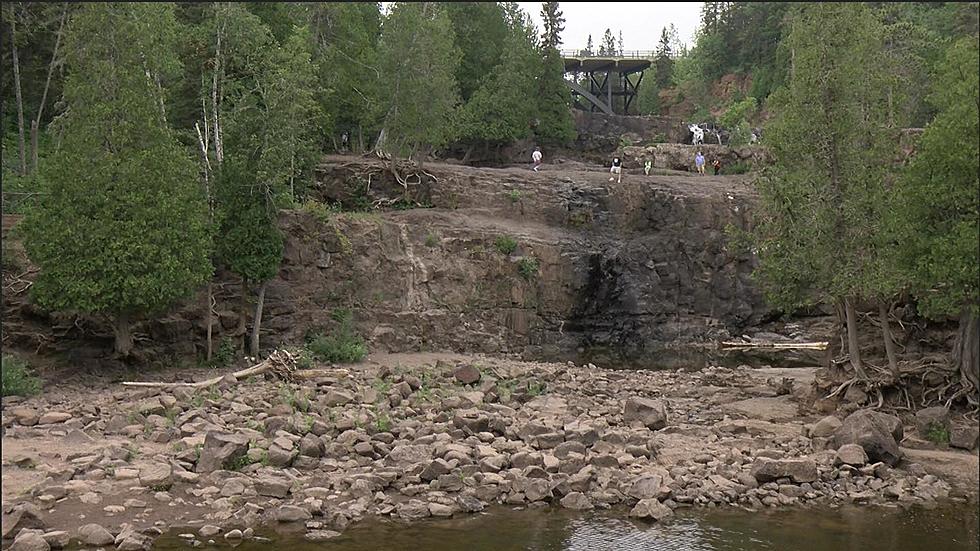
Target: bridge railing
{"x": 628, "y": 54}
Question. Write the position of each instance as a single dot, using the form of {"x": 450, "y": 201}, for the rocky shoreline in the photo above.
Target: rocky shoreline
{"x": 415, "y": 436}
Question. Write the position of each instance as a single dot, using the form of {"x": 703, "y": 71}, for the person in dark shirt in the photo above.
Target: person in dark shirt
{"x": 717, "y": 166}
{"x": 616, "y": 170}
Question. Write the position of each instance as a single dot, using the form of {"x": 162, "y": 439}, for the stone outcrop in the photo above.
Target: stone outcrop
{"x": 878, "y": 433}
{"x": 674, "y": 156}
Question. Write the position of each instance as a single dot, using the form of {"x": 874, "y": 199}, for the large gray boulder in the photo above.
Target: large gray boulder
{"x": 651, "y": 509}
{"x": 798, "y": 470}
{"x": 652, "y": 413}
{"x": 932, "y": 419}
{"x": 878, "y": 433}
{"x": 221, "y": 450}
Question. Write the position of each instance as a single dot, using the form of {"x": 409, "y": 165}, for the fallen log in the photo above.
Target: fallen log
{"x": 280, "y": 362}
{"x": 777, "y": 345}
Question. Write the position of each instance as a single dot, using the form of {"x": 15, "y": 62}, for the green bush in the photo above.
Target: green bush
{"x": 515, "y": 195}
{"x": 739, "y": 167}
{"x": 528, "y": 267}
{"x": 506, "y": 244}
{"x": 937, "y": 434}
{"x": 18, "y": 377}
{"x": 341, "y": 346}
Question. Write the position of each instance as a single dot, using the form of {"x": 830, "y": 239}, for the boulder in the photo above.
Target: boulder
{"x": 652, "y": 413}
{"x": 24, "y": 515}
{"x": 825, "y": 427}
{"x": 93, "y": 534}
{"x": 799, "y": 470}
{"x": 311, "y": 446}
{"x": 57, "y": 539}
{"x": 932, "y": 419}
{"x": 646, "y": 487}
{"x": 467, "y": 374}
{"x": 135, "y": 542}
{"x": 413, "y": 509}
{"x": 30, "y": 541}
{"x": 221, "y": 450}
{"x": 434, "y": 470}
{"x": 878, "y": 433}
{"x": 851, "y": 454}
{"x": 280, "y": 457}
{"x": 577, "y": 501}
{"x": 291, "y": 513}
{"x": 651, "y": 509}
{"x": 272, "y": 486}
{"x": 53, "y": 417}
{"x": 964, "y": 437}
{"x": 471, "y": 420}
{"x": 158, "y": 476}
{"x": 337, "y": 397}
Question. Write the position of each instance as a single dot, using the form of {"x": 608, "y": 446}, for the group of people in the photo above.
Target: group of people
{"x": 617, "y": 165}
{"x": 699, "y": 164}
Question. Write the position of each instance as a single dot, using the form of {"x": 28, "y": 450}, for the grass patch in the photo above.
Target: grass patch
{"x": 319, "y": 210}
{"x": 739, "y": 167}
{"x": 18, "y": 377}
{"x": 514, "y": 195}
{"x": 528, "y": 267}
{"x": 342, "y": 346}
{"x": 506, "y": 244}
{"x": 937, "y": 434}
{"x": 431, "y": 240}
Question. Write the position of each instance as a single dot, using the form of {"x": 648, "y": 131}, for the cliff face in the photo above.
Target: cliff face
{"x": 598, "y": 266}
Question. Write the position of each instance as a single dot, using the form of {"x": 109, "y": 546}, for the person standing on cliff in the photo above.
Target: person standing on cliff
{"x": 699, "y": 163}
{"x": 536, "y": 158}
{"x": 647, "y": 166}
{"x": 717, "y": 166}
{"x": 617, "y": 169}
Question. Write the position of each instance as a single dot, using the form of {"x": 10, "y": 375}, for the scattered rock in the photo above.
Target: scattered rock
{"x": 337, "y": 397}
{"x": 931, "y": 419}
{"x": 412, "y": 509}
{"x": 291, "y": 513}
{"x": 158, "y": 476}
{"x": 53, "y": 417}
{"x": 652, "y": 413}
{"x": 209, "y": 530}
{"x": 467, "y": 374}
{"x": 321, "y": 535}
{"x": 30, "y": 541}
{"x": 825, "y": 427}
{"x": 221, "y": 450}
{"x": 799, "y": 470}
{"x": 651, "y": 509}
{"x": 57, "y": 539}
{"x": 23, "y": 515}
{"x": 851, "y": 454}
{"x": 94, "y": 534}
{"x": 878, "y": 433}
{"x": 577, "y": 501}
{"x": 964, "y": 437}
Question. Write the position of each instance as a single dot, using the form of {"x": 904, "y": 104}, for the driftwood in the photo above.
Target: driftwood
{"x": 280, "y": 363}
{"x": 777, "y": 345}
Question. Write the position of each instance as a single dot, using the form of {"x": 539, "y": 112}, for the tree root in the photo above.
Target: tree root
{"x": 280, "y": 363}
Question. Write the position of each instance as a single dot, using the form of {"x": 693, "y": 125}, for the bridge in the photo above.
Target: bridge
{"x": 613, "y": 81}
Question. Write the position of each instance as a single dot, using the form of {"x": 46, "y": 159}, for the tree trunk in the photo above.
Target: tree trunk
{"x": 210, "y": 318}
{"x": 124, "y": 338}
{"x": 886, "y": 334}
{"x": 256, "y": 325}
{"x": 966, "y": 352}
{"x": 21, "y": 146}
{"x": 853, "y": 348}
{"x": 243, "y": 310}
{"x": 36, "y": 125}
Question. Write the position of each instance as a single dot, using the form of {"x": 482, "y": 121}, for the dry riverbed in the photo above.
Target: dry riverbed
{"x": 414, "y": 436}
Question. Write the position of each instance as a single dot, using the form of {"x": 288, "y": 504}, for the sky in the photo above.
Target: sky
{"x": 640, "y": 22}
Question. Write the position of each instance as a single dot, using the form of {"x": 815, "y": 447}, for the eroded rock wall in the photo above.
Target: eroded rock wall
{"x": 630, "y": 267}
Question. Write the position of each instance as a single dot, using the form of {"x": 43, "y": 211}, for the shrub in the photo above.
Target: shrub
{"x": 506, "y": 244}
{"x": 528, "y": 267}
{"x": 937, "y": 434}
{"x": 342, "y": 346}
{"x": 18, "y": 377}
{"x": 431, "y": 240}
{"x": 515, "y": 195}
{"x": 739, "y": 167}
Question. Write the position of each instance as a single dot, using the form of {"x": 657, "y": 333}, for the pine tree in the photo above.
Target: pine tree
{"x": 608, "y": 46}
{"x": 588, "y": 46}
{"x": 663, "y": 62}
{"x": 938, "y": 209}
{"x": 123, "y": 229}
{"x": 418, "y": 64}
{"x": 555, "y": 125}
{"x": 480, "y": 32}
{"x": 820, "y": 201}
{"x": 554, "y": 24}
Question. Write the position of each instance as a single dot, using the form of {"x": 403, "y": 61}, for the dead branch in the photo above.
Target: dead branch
{"x": 281, "y": 363}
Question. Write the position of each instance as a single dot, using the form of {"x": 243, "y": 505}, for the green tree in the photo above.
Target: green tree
{"x": 554, "y": 24}
{"x": 608, "y": 45}
{"x": 123, "y": 229}
{"x": 499, "y": 111}
{"x": 663, "y": 61}
{"x": 554, "y": 124}
{"x": 418, "y": 64}
{"x": 346, "y": 36}
{"x": 938, "y": 209}
{"x": 820, "y": 201}
{"x": 480, "y": 32}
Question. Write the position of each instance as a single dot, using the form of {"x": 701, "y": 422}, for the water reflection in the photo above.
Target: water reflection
{"x": 866, "y": 529}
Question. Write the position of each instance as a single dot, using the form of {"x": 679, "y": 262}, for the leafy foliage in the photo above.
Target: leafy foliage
{"x": 123, "y": 227}
{"x": 18, "y": 378}
{"x": 344, "y": 345}
{"x": 506, "y": 244}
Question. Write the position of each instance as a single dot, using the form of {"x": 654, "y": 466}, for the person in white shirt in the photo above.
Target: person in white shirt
{"x": 617, "y": 169}
{"x": 536, "y": 157}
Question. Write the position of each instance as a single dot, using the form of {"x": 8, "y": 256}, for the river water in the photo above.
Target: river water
{"x": 950, "y": 527}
